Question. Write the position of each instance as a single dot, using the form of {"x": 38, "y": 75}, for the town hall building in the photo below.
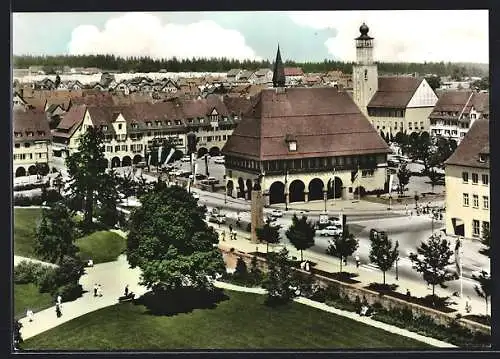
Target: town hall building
{"x": 304, "y": 144}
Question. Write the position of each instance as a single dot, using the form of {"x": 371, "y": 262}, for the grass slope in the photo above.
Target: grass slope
{"x": 25, "y": 220}
{"x": 27, "y": 296}
{"x": 242, "y": 322}
{"x": 101, "y": 246}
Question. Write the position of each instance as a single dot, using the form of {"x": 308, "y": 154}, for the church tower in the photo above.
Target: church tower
{"x": 364, "y": 71}
{"x": 279, "y": 79}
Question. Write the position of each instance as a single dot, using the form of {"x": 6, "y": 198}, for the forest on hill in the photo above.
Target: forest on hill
{"x": 145, "y": 64}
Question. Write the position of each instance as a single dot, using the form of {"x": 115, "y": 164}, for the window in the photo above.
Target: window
{"x": 475, "y": 200}
{"x": 486, "y": 202}
{"x": 117, "y": 148}
{"x": 485, "y": 179}
{"x": 466, "y": 200}
{"x": 124, "y": 147}
{"x": 109, "y": 148}
{"x": 482, "y": 158}
{"x": 292, "y": 146}
{"x": 209, "y": 138}
{"x": 134, "y": 125}
{"x": 465, "y": 177}
{"x": 475, "y": 228}
{"x": 26, "y": 144}
{"x": 367, "y": 173}
{"x": 475, "y": 178}
{"x": 104, "y": 128}
{"x": 120, "y": 126}
{"x": 148, "y": 124}
{"x": 486, "y": 227}
{"x": 17, "y": 145}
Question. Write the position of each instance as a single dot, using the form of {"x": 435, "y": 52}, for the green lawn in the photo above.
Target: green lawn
{"x": 27, "y": 296}
{"x": 242, "y": 322}
{"x": 25, "y": 220}
{"x": 102, "y": 246}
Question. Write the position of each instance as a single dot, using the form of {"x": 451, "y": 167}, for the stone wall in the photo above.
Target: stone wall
{"x": 388, "y": 303}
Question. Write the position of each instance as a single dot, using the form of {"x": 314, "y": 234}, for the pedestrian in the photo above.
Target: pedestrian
{"x": 408, "y": 292}
{"x": 468, "y": 307}
{"x": 59, "y": 300}
{"x": 99, "y": 290}
{"x": 126, "y": 290}
{"x": 357, "y": 261}
{"x": 406, "y": 208}
{"x": 345, "y": 261}
{"x": 58, "y": 310}
{"x": 302, "y": 265}
{"x": 230, "y": 229}
{"x": 223, "y": 236}
{"x": 234, "y": 236}
{"x": 307, "y": 266}
{"x": 29, "y": 315}
{"x": 95, "y": 290}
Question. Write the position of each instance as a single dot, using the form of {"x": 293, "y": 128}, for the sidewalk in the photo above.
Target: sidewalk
{"x": 367, "y": 273}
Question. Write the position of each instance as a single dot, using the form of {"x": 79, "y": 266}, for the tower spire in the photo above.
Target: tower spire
{"x": 279, "y": 71}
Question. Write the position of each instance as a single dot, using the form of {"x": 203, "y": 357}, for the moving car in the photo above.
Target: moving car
{"x": 186, "y": 159}
{"x": 277, "y": 213}
{"x": 335, "y": 221}
{"x": 195, "y": 195}
{"x": 331, "y": 231}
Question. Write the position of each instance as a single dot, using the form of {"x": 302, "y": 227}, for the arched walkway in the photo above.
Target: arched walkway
{"x": 241, "y": 188}
{"x": 20, "y": 172}
{"x": 249, "y": 188}
{"x": 115, "y": 162}
{"x": 230, "y": 187}
{"x": 126, "y": 161}
{"x": 277, "y": 193}
{"x": 32, "y": 170}
{"x": 297, "y": 194}
{"x": 214, "y": 151}
{"x": 316, "y": 189}
{"x": 202, "y": 151}
{"x": 335, "y": 191}
{"x": 137, "y": 159}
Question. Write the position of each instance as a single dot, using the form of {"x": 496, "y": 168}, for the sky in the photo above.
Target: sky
{"x": 400, "y": 36}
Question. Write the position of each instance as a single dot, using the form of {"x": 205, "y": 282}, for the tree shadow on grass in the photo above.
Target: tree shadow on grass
{"x": 182, "y": 300}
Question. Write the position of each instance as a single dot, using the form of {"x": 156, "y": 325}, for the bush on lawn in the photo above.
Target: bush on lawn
{"x": 26, "y": 201}
{"x": 30, "y": 272}
{"x": 51, "y": 196}
{"x": 69, "y": 292}
{"x": 30, "y": 186}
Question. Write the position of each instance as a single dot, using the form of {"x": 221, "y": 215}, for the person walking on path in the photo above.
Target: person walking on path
{"x": 95, "y": 290}
{"x": 357, "y": 261}
{"x": 58, "y": 310}
{"x": 29, "y": 315}
{"x": 59, "y": 299}
{"x": 223, "y": 235}
{"x": 230, "y": 230}
{"x": 126, "y": 290}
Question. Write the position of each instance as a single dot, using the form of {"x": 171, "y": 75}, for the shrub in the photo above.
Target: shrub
{"x": 69, "y": 291}
{"x": 241, "y": 268}
{"x": 27, "y": 201}
{"x": 29, "y": 272}
{"x": 52, "y": 196}
{"x": 29, "y": 186}
{"x": 47, "y": 283}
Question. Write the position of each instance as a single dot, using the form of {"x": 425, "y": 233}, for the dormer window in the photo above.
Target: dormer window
{"x": 40, "y": 133}
{"x": 169, "y": 123}
{"x": 104, "y": 128}
{"x": 148, "y": 123}
{"x": 18, "y": 134}
{"x": 177, "y": 122}
{"x": 482, "y": 157}
{"x": 30, "y": 134}
{"x": 158, "y": 123}
{"x": 134, "y": 125}
{"x": 202, "y": 120}
{"x": 292, "y": 146}
{"x": 190, "y": 120}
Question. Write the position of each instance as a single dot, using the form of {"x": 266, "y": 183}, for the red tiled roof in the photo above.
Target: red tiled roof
{"x": 394, "y": 92}
{"x": 325, "y": 122}
{"x": 35, "y": 121}
{"x": 474, "y": 143}
{"x": 452, "y": 101}
{"x": 70, "y": 122}
{"x": 293, "y": 71}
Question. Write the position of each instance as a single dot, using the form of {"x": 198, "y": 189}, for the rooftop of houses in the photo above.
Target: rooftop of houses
{"x": 474, "y": 143}
{"x": 394, "y": 92}
{"x": 30, "y": 125}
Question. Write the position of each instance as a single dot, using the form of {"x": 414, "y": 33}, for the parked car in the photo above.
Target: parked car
{"x": 335, "y": 221}
{"x": 186, "y": 159}
{"x": 392, "y": 163}
{"x": 219, "y": 160}
{"x": 195, "y": 195}
{"x": 277, "y": 213}
{"x": 331, "y": 231}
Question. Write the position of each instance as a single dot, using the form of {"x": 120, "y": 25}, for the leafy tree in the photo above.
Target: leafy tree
{"x": 108, "y": 197}
{"x": 404, "y": 175}
{"x": 434, "y": 177}
{"x": 171, "y": 243}
{"x": 301, "y": 234}
{"x": 486, "y": 240}
{"x": 69, "y": 271}
{"x": 432, "y": 260}
{"x": 343, "y": 246}
{"x": 268, "y": 234}
{"x": 86, "y": 169}
{"x": 434, "y": 82}
{"x": 383, "y": 253}
{"x": 127, "y": 185}
{"x": 18, "y": 339}
{"x": 57, "y": 82}
{"x": 56, "y": 234}
{"x": 279, "y": 279}
{"x": 484, "y": 288}
{"x": 482, "y": 84}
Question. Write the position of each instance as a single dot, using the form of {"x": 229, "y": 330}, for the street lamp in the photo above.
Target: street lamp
{"x": 286, "y": 185}
{"x": 225, "y": 189}
{"x": 397, "y": 260}
{"x": 334, "y": 192}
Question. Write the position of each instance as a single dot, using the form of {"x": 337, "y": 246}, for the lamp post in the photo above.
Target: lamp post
{"x": 334, "y": 191}
{"x": 286, "y": 185}
{"x": 225, "y": 189}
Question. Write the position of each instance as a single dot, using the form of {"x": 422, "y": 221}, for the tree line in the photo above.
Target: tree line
{"x": 223, "y": 64}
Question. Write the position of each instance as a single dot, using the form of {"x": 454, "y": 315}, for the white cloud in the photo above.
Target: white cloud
{"x": 143, "y": 34}
{"x": 406, "y": 36}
